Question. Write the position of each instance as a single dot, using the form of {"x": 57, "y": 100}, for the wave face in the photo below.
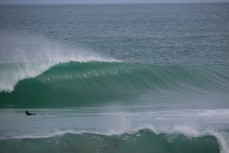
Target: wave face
{"x": 142, "y": 141}
{"x": 75, "y": 83}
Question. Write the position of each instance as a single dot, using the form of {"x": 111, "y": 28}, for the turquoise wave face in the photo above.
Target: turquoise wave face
{"x": 90, "y": 83}
{"x": 142, "y": 141}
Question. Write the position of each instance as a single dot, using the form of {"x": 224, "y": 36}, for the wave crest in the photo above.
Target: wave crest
{"x": 26, "y": 56}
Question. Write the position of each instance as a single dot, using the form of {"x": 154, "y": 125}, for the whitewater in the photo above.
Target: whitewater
{"x": 114, "y": 78}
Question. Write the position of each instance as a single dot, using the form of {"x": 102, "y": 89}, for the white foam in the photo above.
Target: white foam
{"x": 192, "y": 132}
{"x": 223, "y": 141}
{"x": 33, "y": 55}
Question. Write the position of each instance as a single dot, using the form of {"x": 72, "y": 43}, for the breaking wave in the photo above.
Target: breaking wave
{"x": 141, "y": 141}
{"x": 79, "y": 83}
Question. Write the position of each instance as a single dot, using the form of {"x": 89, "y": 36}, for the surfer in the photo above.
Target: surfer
{"x": 28, "y": 113}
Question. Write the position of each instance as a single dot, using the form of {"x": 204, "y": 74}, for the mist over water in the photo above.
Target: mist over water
{"x": 26, "y": 56}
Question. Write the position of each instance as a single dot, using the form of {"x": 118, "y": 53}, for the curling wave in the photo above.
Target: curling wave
{"x": 76, "y": 83}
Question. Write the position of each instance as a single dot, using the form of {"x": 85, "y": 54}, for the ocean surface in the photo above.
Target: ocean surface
{"x": 117, "y": 78}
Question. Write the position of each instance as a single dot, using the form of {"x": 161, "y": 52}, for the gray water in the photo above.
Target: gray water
{"x": 148, "y": 33}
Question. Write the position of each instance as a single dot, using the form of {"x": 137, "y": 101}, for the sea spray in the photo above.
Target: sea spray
{"x": 26, "y": 56}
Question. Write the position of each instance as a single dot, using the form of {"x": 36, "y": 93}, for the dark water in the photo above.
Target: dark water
{"x": 115, "y": 78}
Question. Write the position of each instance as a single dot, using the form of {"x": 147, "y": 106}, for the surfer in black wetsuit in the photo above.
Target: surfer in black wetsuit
{"x": 28, "y": 113}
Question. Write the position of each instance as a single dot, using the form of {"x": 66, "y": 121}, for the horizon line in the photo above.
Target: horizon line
{"x": 111, "y": 3}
